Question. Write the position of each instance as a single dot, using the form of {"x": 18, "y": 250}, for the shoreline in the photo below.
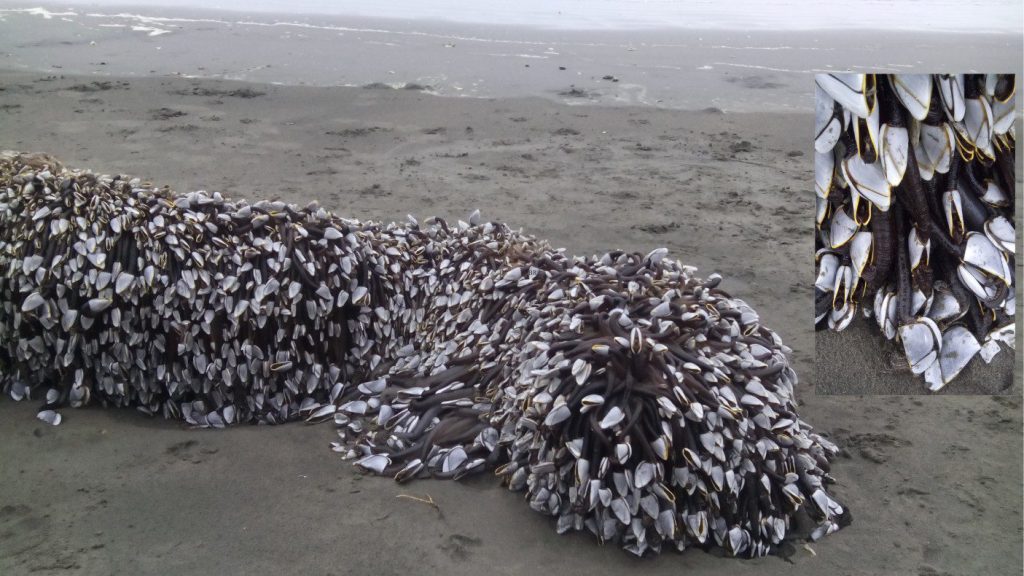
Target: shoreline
{"x": 681, "y": 69}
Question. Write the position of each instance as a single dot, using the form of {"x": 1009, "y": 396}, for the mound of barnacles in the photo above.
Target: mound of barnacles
{"x": 915, "y": 202}
{"x": 625, "y": 395}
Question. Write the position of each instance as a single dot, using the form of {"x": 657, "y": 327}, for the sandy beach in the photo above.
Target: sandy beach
{"x": 716, "y": 189}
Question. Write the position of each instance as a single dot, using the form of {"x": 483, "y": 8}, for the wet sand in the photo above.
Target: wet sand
{"x": 860, "y": 360}
{"x": 933, "y": 482}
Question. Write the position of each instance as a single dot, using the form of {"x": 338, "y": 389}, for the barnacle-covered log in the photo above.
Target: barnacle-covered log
{"x": 915, "y": 201}
{"x": 625, "y": 395}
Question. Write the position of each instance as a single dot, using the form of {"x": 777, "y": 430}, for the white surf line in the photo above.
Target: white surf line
{"x": 829, "y": 68}
{"x": 771, "y": 48}
{"x": 758, "y": 67}
{"x": 37, "y": 12}
{"x": 417, "y": 33}
{"x": 875, "y": 68}
{"x": 157, "y": 19}
{"x": 150, "y": 30}
{"x": 239, "y": 74}
{"x": 143, "y": 19}
{"x": 531, "y": 56}
{"x": 666, "y": 67}
{"x": 700, "y": 44}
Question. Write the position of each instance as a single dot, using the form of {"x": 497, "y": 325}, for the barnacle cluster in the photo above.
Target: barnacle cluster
{"x": 915, "y": 202}
{"x": 625, "y": 395}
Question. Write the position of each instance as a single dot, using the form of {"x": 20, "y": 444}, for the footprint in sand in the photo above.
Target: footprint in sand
{"x": 872, "y": 446}
{"x": 189, "y": 451}
{"x": 21, "y": 530}
{"x": 459, "y": 547}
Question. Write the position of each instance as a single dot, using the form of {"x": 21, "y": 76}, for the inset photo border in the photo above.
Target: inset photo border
{"x": 917, "y": 192}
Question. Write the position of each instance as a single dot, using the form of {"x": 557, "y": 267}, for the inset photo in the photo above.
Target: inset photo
{"x": 915, "y": 247}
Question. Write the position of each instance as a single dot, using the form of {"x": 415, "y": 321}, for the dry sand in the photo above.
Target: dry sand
{"x": 934, "y": 483}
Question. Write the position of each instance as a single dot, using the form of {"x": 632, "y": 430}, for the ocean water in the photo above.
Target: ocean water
{"x": 740, "y": 55}
{"x": 966, "y": 16}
